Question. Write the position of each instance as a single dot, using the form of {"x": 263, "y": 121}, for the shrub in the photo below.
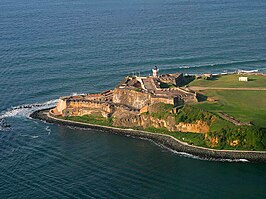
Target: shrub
{"x": 249, "y": 137}
{"x": 189, "y": 114}
{"x": 161, "y": 110}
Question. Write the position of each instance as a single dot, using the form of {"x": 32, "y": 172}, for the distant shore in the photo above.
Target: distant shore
{"x": 162, "y": 139}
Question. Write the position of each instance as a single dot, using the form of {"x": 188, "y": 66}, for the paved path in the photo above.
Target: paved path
{"x": 196, "y": 88}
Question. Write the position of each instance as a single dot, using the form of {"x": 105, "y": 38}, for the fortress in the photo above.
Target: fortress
{"x": 168, "y": 104}
{"x": 132, "y": 97}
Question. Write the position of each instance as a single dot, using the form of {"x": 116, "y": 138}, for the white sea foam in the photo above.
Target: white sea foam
{"x": 31, "y": 136}
{"x": 185, "y": 67}
{"x": 26, "y": 109}
{"x": 48, "y": 130}
{"x": 201, "y": 158}
{"x": 76, "y": 94}
{"x": 79, "y": 128}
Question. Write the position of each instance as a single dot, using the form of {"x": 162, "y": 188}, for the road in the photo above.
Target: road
{"x": 197, "y": 88}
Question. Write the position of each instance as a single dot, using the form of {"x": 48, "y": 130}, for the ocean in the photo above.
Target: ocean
{"x": 53, "y": 48}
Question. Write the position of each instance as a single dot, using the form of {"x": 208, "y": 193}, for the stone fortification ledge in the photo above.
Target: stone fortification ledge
{"x": 161, "y": 139}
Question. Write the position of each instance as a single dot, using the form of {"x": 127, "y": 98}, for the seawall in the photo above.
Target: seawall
{"x": 165, "y": 140}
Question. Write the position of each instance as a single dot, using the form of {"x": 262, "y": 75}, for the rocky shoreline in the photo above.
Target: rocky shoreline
{"x": 161, "y": 139}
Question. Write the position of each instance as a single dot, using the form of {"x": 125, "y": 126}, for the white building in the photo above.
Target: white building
{"x": 243, "y": 79}
{"x": 155, "y": 72}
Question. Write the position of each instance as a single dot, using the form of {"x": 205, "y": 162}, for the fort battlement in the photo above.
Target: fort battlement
{"x": 131, "y": 97}
{"x": 82, "y": 105}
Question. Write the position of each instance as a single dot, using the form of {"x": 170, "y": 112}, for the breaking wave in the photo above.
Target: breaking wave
{"x": 232, "y": 66}
{"x": 26, "y": 109}
{"x": 201, "y": 158}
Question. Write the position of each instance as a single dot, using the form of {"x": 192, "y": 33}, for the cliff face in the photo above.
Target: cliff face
{"x": 169, "y": 123}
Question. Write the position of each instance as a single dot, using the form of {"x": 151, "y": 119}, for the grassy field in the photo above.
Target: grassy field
{"x": 91, "y": 119}
{"x": 231, "y": 81}
{"x": 247, "y": 106}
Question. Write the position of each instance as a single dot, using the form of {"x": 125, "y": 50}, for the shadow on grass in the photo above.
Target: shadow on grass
{"x": 186, "y": 81}
{"x": 251, "y": 79}
{"x": 201, "y": 97}
{"x": 213, "y": 78}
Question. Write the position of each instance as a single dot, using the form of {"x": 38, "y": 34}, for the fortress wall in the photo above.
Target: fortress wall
{"x": 130, "y": 121}
{"x": 155, "y": 100}
{"x": 122, "y": 112}
{"x": 61, "y": 105}
{"x": 85, "y": 111}
{"x": 79, "y": 108}
{"x": 144, "y": 109}
{"x": 130, "y": 97}
{"x": 190, "y": 98}
{"x": 82, "y": 107}
{"x": 175, "y": 79}
{"x": 99, "y": 98}
{"x": 168, "y": 80}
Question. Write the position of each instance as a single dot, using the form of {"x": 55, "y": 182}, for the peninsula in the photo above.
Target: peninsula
{"x": 210, "y": 115}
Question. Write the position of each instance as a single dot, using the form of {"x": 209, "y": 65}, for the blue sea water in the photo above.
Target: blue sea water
{"x": 50, "y": 48}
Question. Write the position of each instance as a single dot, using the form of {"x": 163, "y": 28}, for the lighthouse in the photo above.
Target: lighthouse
{"x": 155, "y": 71}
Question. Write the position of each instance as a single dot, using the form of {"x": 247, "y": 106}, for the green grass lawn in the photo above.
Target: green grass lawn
{"x": 91, "y": 119}
{"x": 243, "y": 105}
{"x": 231, "y": 81}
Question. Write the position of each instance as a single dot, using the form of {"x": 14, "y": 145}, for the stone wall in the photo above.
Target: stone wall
{"x": 123, "y": 112}
{"x": 61, "y": 105}
{"x": 78, "y": 107}
{"x": 131, "y": 98}
{"x": 139, "y": 99}
{"x": 106, "y": 96}
{"x": 190, "y": 98}
{"x": 175, "y": 79}
{"x": 81, "y": 107}
{"x": 155, "y": 100}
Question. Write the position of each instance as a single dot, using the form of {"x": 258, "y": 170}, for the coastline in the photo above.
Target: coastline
{"x": 161, "y": 139}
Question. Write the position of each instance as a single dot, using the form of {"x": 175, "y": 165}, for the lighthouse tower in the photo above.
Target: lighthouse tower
{"x": 155, "y": 72}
